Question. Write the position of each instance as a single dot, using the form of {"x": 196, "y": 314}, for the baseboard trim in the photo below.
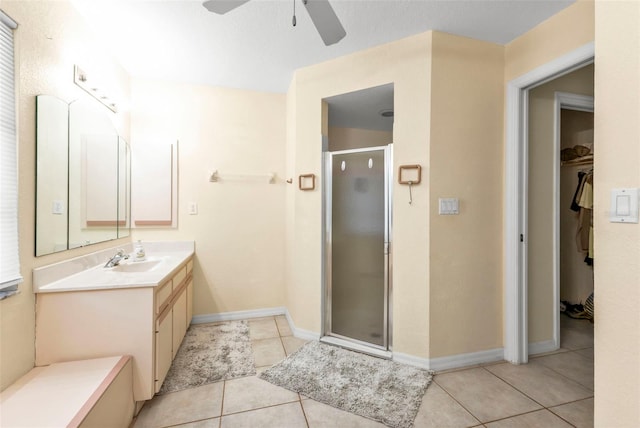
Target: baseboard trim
{"x": 298, "y": 332}
{"x": 452, "y": 361}
{"x": 411, "y": 360}
{"x": 256, "y": 313}
{"x": 239, "y": 315}
{"x": 436, "y": 364}
{"x": 464, "y": 360}
{"x": 542, "y": 347}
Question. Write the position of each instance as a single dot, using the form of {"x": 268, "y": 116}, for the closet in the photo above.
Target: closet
{"x": 576, "y": 213}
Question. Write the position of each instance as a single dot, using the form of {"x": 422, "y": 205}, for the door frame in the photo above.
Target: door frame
{"x": 516, "y": 344}
{"x": 326, "y": 336}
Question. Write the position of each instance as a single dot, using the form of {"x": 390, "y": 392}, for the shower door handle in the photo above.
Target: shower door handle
{"x": 386, "y": 248}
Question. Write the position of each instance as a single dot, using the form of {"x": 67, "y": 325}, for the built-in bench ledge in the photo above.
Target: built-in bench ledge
{"x": 87, "y": 393}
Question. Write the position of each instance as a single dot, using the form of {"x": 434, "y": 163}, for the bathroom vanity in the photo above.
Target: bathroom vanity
{"x": 142, "y": 309}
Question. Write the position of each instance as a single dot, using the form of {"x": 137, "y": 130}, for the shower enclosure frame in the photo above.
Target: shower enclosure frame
{"x": 327, "y": 335}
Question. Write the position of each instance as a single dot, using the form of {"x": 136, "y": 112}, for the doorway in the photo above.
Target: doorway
{"x": 560, "y": 130}
{"x": 357, "y": 225}
{"x": 575, "y": 285}
{"x": 516, "y": 337}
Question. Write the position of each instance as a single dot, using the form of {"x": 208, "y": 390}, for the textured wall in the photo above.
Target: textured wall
{"x": 617, "y": 246}
{"x": 50, "y": 39}
{"x": 240, "y": 227}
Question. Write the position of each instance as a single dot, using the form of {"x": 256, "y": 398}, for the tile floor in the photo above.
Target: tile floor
{"x": 553, "y": 390}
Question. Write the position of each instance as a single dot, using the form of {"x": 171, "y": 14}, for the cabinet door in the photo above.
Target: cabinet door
{"x": 163, "y": 348}
{"x": 189, "y": 302}
{"x": 179, "y": 321}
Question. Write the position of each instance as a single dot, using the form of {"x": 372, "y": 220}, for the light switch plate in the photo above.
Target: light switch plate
{"x": 448, "y": 206}
{"x": 624, "y": 205}
{"x": 57, "y": 207}
{"x": 193, "y": 208}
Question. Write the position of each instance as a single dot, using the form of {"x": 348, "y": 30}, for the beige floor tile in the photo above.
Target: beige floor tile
{"x": 320, "y": 415}
{"x": 263, "y": 328}
{"x": 540, "y": 418}
{"x": 579, "y": 413}
{"x": 541, "y": 383}
{"x": 544, "y": 354}
{"x": 587, "y": 353}
{"x": 572, "y": 365}
{"x": 292, "y": 344}
{"x": 207, "y": 423}
{"x": 458, "y": 369}
{"x": 439, "y": 410}
{"x": 283, "y": 325}
{"x": 484, "y": 395}
{"x": 181, "y": 407}
{"x": 576, "y": 339}
{"x": 249, "y": 393}
{"x": 259, "y": 370}
{"x": 283, "y": 416}
{"x": 567, "y": 322}
{"x": 267, "y": 352}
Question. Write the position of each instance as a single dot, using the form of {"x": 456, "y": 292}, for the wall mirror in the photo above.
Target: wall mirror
{"x": 83, "y": 176}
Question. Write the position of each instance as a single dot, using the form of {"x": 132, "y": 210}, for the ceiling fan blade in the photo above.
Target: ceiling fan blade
{"x": 222, "y": 6}
{"x": 325, "y": 20}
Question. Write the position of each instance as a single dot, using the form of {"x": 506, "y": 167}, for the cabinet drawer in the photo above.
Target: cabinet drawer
{"x": 189, "y": 266}
{"x": 179, "y": 276}
{"x": 162, "y": 296}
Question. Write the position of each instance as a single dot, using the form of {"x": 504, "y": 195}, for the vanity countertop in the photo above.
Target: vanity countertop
{"x": 82, "y": 273}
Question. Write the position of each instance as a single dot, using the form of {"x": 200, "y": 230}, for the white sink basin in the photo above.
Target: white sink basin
{"x": 144, "y": 266}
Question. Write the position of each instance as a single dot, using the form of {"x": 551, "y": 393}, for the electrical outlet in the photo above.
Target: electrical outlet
{"x": 57, "y": 207}
{"x": 193, "y": 208}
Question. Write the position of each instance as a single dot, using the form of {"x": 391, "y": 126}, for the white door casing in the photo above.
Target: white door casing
{"x": 516, "y": 195}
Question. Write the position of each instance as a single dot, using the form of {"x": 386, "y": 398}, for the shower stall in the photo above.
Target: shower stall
{"x": 357, "y": 230}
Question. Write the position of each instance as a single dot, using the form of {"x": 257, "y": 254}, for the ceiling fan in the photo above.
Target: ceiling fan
{"x": 324, "y": 18}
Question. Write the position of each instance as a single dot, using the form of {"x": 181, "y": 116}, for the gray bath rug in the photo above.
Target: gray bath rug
{"x": 210, "y": 353}
{"x": 377, "y": 389}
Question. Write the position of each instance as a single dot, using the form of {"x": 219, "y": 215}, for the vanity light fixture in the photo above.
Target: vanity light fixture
{"x": 93, "y": 88}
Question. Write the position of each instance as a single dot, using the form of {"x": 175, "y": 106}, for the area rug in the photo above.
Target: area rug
{"x": 210, "y": 353}
{"x": 377, "y": 389}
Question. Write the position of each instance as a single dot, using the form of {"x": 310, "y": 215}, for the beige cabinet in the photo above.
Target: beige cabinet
{"x": 164, "y": 349}
{"x": 189, "y": 301}
{"x": 171, "y": 323}
{"x": 147, "y": 323}
{"x": 179, "y": 321}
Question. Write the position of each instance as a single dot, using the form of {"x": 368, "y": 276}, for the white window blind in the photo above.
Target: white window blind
{"x": 9, "y": 255}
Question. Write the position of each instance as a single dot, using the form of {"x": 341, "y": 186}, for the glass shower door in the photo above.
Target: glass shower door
{"x": 357, "y": 223}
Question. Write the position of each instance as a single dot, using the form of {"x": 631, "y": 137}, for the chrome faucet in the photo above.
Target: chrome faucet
{"x": 115, "y": 260}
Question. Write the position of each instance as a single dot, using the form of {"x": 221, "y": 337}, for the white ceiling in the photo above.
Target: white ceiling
{"x": 256, "y": 47}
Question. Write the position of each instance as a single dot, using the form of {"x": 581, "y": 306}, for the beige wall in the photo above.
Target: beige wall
{"x": 617, "y": 246}
{"x": 240, "y": 226}
{"x": 468, "y": 151}
{"x": 354, "y": 138}
{"x": 50, "y": 39}
{"x": 542, "y": 195}
{"x": 567, "y": 30}
{"x": 467, "y": 104}
{"x": 406, "y": 64}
